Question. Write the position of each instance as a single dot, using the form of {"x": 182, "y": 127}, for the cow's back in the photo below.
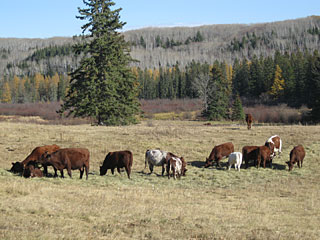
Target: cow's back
{"x": 297, "y": 153}
{"x": 78, "y": 157}
{"x": 38, "y": 151}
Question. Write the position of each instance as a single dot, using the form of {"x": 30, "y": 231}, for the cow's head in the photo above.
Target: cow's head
{"x": 184, "y": 165}
{"x": 209, "y": 162}
{"x": 103, "y": 170}
{"x": 17, "y": 167}
{"x": 290, "y": 165}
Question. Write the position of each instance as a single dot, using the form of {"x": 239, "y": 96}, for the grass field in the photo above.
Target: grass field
{"x": 208, "y": 203}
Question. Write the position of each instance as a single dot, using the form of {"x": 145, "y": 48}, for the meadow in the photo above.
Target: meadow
{"x": 208, "y": 203}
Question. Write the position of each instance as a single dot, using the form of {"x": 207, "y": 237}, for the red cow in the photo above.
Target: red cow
{"x": 297, "y": 155}
{"x": 219, "y": 152}
{"x": 68, "y": 158}
{"x": 250, "y": 153}
{"x": 249, "y": 120}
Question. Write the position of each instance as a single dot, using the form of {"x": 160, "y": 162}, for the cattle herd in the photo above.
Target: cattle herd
{"x": 79, "y": 158}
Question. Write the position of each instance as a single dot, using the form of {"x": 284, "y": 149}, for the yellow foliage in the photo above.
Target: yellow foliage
{"x": 6, "y": 94}
{"x": 278, "y": 84}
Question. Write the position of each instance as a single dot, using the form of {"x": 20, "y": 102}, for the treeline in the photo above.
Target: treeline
{"x": 284, "y": 78}
{"x": 36, "y": 88}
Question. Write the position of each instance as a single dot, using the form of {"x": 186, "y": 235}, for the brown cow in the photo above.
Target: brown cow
{"x": 250, "y": 153}
{"x": 219, "y": 152}
{"x": 35, "y": 155}
{"x": 68, "y": 158}
{"x": 297, "y": 155}
{"x": 264, "y": 155}
{"x": 249, "y": 120}
{"x": 119, "y": 159}
{"x": 31, "y": 170}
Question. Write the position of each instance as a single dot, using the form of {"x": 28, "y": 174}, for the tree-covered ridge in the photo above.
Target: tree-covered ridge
{"x": 49, "y": 52}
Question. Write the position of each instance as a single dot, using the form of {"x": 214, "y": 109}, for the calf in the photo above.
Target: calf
{"x": 31, "y": 170}
{"x": 235, "y": 159}
{"x": 250, "y": 153}
{"x": 219, "y": 152}
{"x": 175, "y": 166}
{"x": 119, "y": 159}
{"x": 264, "y": 155}
{"x": 249, "y": 120}
{"x": 68, "y": 158}
{"x": 277, "y": 143}
{"x": 157, "y": 157}
{"x": 297, "y": 155}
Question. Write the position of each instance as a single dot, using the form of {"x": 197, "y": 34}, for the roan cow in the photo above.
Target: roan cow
{"x": 235, "y": 159}
{"x": 157, "y": 157}
{"x": 219, "y": 152}
{"x": 68, "y": 158}
{"x": 297, "y": 155}
{"x": 249, "y": 120}
{"x": 119, "y": 159}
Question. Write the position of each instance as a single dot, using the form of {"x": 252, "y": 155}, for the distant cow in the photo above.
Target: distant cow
{"x": 277, "y": 143}
{"x": 119, "y": 159}
{"x": 250, "y": 153}
{"x": 68, "y": 158}
{"x": 235, "y": 159}
{"x": 174, "y": 166}
{"x": 157, "y": 157}
{"x": 297, "y": 155}
{"x": 35, "y": 155}
{"x": 219, "y": 152}
{"x": 249, "y": 120}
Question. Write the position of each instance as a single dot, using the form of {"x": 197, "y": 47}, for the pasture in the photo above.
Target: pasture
{"x": 208, "y": 203}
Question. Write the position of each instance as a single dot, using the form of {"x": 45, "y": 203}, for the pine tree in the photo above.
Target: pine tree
{"x": 237, "y": 110}
{"x": 103, "y": 86}
{"x": 315, "y": 72}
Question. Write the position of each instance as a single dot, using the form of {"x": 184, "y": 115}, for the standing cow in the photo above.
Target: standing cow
{"x": 249, "y": 120}
{"x": 157, "y": 157}
{"x": 277, "y": 144}
{"x": 250, "y": 153}
{"x": 219, "y": 152}
{"x": 119, "y": 159}
{"x": 297, "y": 155}
{"x": 174, "y": 166}
{"x": 235, "y": 159}
{"x": 70, "y": 159}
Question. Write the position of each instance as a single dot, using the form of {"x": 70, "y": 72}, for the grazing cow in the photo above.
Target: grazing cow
{"x": 157, "y": 157}
{"x": 174, "y": 166}
{"x": 249, "y": 120}
{"x": 31, "y": 170}
{"x": 250, "y": 153}
{"x": 68, "y": 158}
{"x": 277, "y": 142}
{"x": 35, "y": 155}
{"x": 119, "y": 159}
{"x": 235, "y": 159}
{"x": 297, "y": 155}
{"x": 219, "y": 152}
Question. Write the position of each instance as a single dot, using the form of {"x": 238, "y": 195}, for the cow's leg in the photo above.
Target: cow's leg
{"x": 55, "y": 172}
{"x": 162, "y": 169}
{"x": 301, "y": 162}
{"x": 118, "y": 169}
{"x": 87, "y": 170}
{"x": 151, "y": 168}
{"x": 298, "y": 163}
{"x": 45, "y": 170}
{"x": 128, "y": 170}
{"x": 112, "y": 171}
{"x": 69, "y": 171}
{"x": 174, "y": 173}
{"x": 81, "y": 172}
{"x": 264, "y": 162}
{"x": 61, "y": 172}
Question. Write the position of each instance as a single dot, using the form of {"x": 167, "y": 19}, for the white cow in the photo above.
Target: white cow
{"x": 157, "y": 157}
{"x": 236, "y": 159}
{"x": 175, "y": 168}
{"x": 277, "y": 143}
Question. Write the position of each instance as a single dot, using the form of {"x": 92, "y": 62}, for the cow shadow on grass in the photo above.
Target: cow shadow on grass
{"x": 201, "y": 164}
{"x": 144, "y": 173}
{"x": 278, "y": 166}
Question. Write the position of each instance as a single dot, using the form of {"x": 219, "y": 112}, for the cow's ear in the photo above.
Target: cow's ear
{"x": 12, "y": 163}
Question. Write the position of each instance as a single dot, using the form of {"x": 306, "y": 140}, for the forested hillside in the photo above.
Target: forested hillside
{"x": 154, "y": 47}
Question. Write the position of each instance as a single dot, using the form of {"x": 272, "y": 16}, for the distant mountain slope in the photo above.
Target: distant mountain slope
{"x": 166, "y": 46}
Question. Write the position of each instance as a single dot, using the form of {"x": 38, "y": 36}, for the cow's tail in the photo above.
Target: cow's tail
{"x": 146, "y": 159}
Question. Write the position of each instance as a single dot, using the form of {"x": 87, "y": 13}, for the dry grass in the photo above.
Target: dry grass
{"x": 206, "y": 204}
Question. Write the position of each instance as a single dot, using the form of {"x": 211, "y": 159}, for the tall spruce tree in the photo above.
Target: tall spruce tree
{"x": 103, "y": 87}
{"x": 315, "y": 72}
{"x": 237, "y": 109}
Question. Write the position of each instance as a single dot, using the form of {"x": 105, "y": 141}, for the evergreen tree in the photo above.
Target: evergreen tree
{"x": 103, "y": 86}
{"x": 218, "y": 99}
{"x": 315, "y": 72}
{"x": 237, "y": 110}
